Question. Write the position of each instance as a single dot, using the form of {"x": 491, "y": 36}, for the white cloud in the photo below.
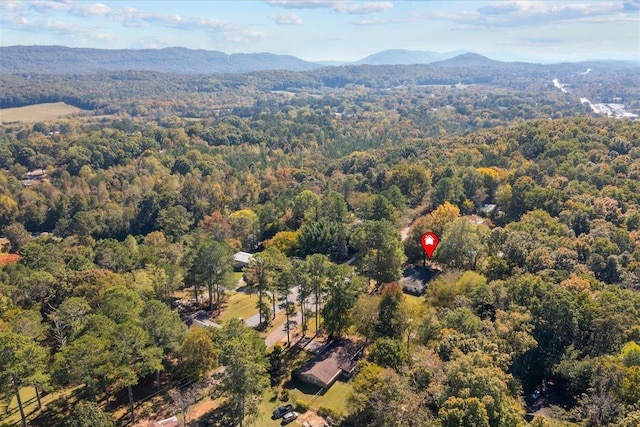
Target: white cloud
{"x": 96, "y": 9}
{"x": 132, "y": 17}
{"x": 517, "y": 13}
{"x": 46, "y": 6}
{"x": 42, "y": 26}
{"x": 345, "y": 7}
{"x": 615, "y": 20}
{"x": 60, "y": 27}
{"x": 13, "y": 21}
{"x": 47, "y": 16}
{"x": 256, "y": 34}
{"x": 305, "y": 4}
{"x": 389, "y": 21}
{"x": 78, "y": 9}
{"x": 11, "y": 5}
{"x": 363, "y": 8}
{"x": 286, "y": 19}
{"x": 102, "y": 36}
{"x": 206, "y": 24}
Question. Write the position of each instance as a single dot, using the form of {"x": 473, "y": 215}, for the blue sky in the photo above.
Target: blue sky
{"x": 341, "y": 30}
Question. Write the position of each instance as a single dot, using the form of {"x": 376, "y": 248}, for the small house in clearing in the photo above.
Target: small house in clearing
{"x": 33, "y": 177}
{"x": 200, "y": 319}
{"x": 241, "y": 260}
{"x": 339, "y": 359}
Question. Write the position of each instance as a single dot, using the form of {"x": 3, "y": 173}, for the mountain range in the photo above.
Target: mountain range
{"x": 64, "y": 60}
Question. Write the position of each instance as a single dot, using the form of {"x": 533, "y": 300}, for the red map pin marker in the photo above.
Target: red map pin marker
{"x": 429, "y": 243}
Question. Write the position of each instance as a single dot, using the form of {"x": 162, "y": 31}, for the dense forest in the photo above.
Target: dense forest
{"x": 155, "y": 94}
{"x": 114, "y": 223}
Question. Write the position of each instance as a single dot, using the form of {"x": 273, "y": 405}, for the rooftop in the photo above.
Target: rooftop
{"x": 242, "y": 257}
{"x": 169, "y": 422}
{"x": 340, "y": 356}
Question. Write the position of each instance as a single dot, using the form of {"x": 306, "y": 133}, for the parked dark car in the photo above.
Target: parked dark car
{"x": 281, "y": 410}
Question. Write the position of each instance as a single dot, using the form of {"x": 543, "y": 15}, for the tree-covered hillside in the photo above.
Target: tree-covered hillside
{"x": 149, "y": 93}
{"x": 72, "y": 61}
{"x": 125, "y": 228}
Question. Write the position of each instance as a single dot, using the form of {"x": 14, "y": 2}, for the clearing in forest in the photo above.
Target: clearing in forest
{"x": 37, "y": 112}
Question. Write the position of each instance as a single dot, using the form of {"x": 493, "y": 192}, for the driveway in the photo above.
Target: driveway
{"x": 280, "y": 333}
{"x": 254, "y": 321}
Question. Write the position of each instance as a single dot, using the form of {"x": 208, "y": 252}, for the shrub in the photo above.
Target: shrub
{"x": 302, "y": 406}
{"x": 325, "y": 412}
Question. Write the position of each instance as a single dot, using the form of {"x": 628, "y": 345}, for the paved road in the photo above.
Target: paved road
{"x": 254, "y": 320}
{"x": 280, "y": 333}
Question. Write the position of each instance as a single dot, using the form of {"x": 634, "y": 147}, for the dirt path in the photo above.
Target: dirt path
{"x": 404, "y": 233}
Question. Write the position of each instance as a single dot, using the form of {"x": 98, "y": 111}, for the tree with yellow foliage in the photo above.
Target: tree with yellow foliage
{"x": 435, "y": 222}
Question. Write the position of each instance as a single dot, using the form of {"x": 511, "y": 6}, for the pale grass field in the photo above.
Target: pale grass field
{"x": 37, "y": 113}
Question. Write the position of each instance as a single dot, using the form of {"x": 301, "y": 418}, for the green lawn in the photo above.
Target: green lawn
{"x": 26, "y": 393}
{"x": 30, "y": 409}
{"x": 238, "y": 304}
{"x": 311, "y": 325}
{"x": 334, "y": 398}
{"x": 413, "y": 300}
{"x": 267, "y": 405}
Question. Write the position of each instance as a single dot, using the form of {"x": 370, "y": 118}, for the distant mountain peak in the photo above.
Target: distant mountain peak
{"x": 406, "y": 57}
{"x": 468, "y": 59}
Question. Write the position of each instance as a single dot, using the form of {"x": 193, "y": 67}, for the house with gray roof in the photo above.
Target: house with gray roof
{"x": 338, "y": 360}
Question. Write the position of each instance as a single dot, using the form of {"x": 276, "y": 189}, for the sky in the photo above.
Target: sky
{"x": 335, "y": 30}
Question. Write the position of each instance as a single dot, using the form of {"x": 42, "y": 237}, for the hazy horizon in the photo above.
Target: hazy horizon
{"x": 497, "y": 56}
{"x": 329, "y": 30}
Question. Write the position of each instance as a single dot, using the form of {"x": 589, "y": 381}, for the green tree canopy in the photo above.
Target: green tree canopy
{"x": 88, "y": 414}
{"x": 245, "y": 377}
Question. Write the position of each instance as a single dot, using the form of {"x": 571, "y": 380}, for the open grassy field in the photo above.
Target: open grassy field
{"x": 27, "y": 394}
{"x": 239, "y": 304}
{"x": 37, "y": 113}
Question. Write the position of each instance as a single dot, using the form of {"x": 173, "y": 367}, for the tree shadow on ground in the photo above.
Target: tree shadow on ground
{"x": 222, "y": 416}
{"x": 57, "y": 412}
{"x": 302, "y": 387}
